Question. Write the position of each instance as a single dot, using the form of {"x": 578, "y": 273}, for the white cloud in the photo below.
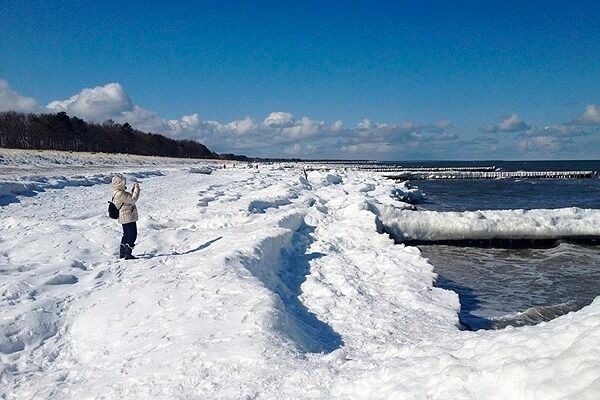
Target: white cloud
{"x": 242, "y": 126}
{"x": 185, "y": 123}
{"x": 539, "y": 144}
{"x": 99, "y": 103}
{"x": 365, "y": 125}
{"x": 444, "y": 136}
{"x": 303, "y": 128}
{"x": 370, "y": 131}
{"x": 111, "y": 101}
{"x": 279, "y": 133}
{"x": 141, "y": 119}
{"x": 511, "y": 123}
{"x": 362, "y": 149}
{"x": 13, "y": 101}
{"x": 337, "y": 126}
{"x": 559, "y": 130}
{"x": 591, "y": 115}
{"x": 439, "y": 127}
{"x": 444, "y": 124}
{"x": 279, "y": 120}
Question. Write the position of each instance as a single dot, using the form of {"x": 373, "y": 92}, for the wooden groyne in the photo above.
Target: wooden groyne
{"x": 394, "y": 168}
{"x": 475, "y": 172}
{"x": 455, "y": 174}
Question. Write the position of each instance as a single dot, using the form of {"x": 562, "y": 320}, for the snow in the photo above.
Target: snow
{"x": 11, "y": 190}
{"x": 490, "y": 224}
{"x": 405, "y": 192}
{"x": 255, "y": 285}
{"x": 201, "y": 170}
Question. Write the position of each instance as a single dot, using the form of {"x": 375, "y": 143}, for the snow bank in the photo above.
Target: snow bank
{"x": 10, "y": 191}
{"x": 27, "y": 158}
{"x": 501, "y": 224}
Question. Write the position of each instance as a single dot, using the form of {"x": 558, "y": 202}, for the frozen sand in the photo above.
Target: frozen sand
{"x": 253, "y": 285}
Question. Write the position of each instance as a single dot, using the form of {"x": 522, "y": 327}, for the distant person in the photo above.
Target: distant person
{"x": 128, "y": 214}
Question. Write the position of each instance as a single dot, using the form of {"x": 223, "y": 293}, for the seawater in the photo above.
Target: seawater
{"x": 498, "y": 287}
{"x": 501, "y": 287}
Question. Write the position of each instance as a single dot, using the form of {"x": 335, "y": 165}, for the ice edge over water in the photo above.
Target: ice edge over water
{"x": 432, "y": 226}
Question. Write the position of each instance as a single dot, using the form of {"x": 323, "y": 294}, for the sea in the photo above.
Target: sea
{"x": 500, "y": 287}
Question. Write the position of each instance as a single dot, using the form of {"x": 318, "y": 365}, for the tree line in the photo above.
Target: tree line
{"x": 61, "y": 132}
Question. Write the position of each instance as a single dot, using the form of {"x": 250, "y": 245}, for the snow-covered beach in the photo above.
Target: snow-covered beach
{"x": 256, "y": 283}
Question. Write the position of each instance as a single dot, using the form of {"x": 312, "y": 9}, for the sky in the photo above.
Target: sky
{"x": 401, "y": 80}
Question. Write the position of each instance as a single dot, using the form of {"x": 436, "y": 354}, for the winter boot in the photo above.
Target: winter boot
{"x": 128, "y": 255}
{"x": 122, "y": 251}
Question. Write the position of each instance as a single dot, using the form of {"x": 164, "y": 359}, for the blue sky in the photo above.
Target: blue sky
{"x": 383, "y": 80}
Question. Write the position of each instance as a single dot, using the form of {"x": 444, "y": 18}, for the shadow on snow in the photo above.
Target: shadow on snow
{"x": 178, "y": 253}
{"x": 285, "y": 280}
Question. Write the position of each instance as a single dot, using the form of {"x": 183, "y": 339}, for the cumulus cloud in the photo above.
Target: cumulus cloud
{"x": 13, "y": 101}
{"x": 97, "y": 104}
{"x": 279, "y": 133}
{"x": 242, "y": 127}
{"x": 365, "y": 125}
{"x": 111, "y": 101}
{"x": 511, "y": 123}
{"x": 575, "y": 138}
{"x": 337, "y": 126}
{"x": 279, "y": 120}
{"x": 591, "y": 115}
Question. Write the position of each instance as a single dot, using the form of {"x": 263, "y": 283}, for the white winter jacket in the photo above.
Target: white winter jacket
{"x": 124, "y": 200}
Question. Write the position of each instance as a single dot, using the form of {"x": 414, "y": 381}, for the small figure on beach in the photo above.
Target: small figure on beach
{"x": 128, "y": 215}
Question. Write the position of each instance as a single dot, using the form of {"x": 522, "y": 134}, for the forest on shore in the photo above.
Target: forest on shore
{"x": 61, "y": 132}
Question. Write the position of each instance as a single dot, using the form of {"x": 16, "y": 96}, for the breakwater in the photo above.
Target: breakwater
{"x": 466, "y": 174}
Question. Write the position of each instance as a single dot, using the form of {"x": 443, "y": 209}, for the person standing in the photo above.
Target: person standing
{"x": 128, "y": 214}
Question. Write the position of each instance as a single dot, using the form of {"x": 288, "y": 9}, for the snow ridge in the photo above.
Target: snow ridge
{"x": 501, "y": 224}
{"x": 28, "y": 186}
{"x": 281, "y": 262}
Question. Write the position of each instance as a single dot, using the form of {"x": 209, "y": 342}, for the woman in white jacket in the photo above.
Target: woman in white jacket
{"x": 128, "y": 214}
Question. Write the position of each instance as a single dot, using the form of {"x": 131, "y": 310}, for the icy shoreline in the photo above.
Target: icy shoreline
{"x": 495, "y": 224}
{"x": 254, "y": 284}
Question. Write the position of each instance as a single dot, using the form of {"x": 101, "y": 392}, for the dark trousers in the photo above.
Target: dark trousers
{"x": 129, "y": 234}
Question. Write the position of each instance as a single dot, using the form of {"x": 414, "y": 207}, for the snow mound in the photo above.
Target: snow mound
{"x": 407, "y": 193}
{"x": 331, "y": 179}
{"x": 201, "y": 170}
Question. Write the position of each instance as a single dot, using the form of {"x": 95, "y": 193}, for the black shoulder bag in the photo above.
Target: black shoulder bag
{"x": 113, "y": 211}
